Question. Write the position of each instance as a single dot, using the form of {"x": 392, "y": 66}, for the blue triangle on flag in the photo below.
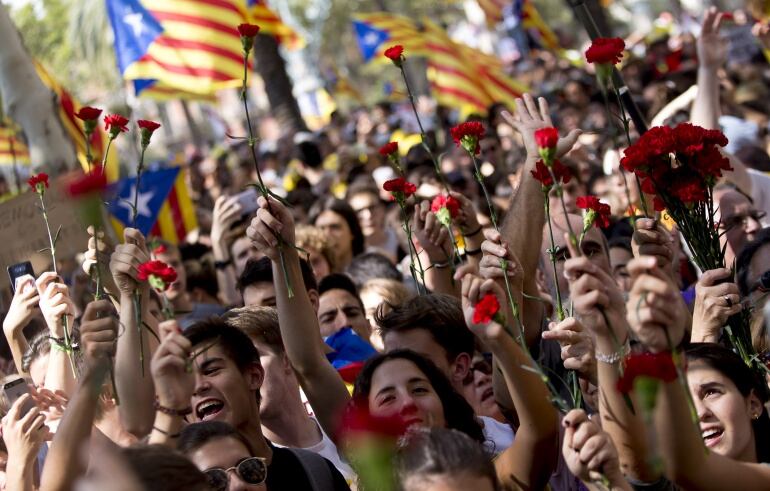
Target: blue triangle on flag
{"x": 135, "y": 29}
{"x": 154, "y": 188}
{"x": 369, "y": 38}
{"x": 141, "y": 84}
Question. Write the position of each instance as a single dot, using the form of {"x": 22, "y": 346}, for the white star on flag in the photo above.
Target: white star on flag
{"x": 134, "y": 20}
{"x": 142, "y": 203}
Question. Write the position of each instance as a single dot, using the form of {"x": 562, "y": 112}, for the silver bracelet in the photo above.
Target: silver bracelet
{"x": 444, "y": 264}
{"x": 615, "y": 357}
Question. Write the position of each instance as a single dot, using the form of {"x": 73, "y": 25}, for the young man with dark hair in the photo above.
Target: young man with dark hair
{"x": 339, "y": 306}
{"x": 285, "y": 419}
{"x": 256, "y": 283}
{"x": 224, "y": 386}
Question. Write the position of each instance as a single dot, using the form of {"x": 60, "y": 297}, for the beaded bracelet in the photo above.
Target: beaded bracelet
{"x": 172, "y": 412}
{"x": 615, "y": 357}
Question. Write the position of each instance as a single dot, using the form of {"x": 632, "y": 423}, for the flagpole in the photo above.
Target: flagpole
{"x": 584, "y": 16}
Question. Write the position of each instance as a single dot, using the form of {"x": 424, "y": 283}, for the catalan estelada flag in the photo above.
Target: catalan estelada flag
{"x": 528, "y": 15}
{"x": 164, "y": 207}
{"x": 192, "y": 45}
{"x": 13, "y": 151}
{"x": 461, "y": 77}
{"x": 270, "y": 23}
{"x": 68, "y": 107}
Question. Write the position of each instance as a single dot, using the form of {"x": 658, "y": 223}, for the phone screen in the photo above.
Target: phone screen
{"x": 14, "y": 390}
{"x": 20, "y": 273}
{"x": 248, "y": 201}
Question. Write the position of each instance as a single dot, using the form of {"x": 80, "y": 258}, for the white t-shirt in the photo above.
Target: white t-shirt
{"x": 328, "y": 450}
{"x": 497, "y": 436}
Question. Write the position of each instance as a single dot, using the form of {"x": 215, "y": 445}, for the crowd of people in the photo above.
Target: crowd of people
{"x": 296, "y": 349}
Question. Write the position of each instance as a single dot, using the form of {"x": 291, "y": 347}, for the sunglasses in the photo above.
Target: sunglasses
{"x": 251, "y": 471}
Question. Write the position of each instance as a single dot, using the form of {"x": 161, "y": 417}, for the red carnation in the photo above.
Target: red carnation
{"x": 38, "y": 182}
{"x": 467, "y": 135}
{"x": 547, "y": 137}
{"x": 689, "y": 190}
{"x": 357, "y": 421}
{"x": 159, "y": 274}
{"x": 486, "y": 310}
{"x": 445, "y": 208}
{"x": 148, "y": 128}
{"x": 88, "y": 113}
{"x": 400, "y": 188}
{"x": 396, "y": 54}
{"x": 92, "y": 182}
{"x": 598, "y": 212}
{"x": 543, "y": 174}
{"x": 160, "y": 249}
{"x": 653, "y": 366}
{"x": 605, "y": 51}
{"x": 389, "y": 149}
{"x": 248, "y": 30}
{"x": 115, "y": 124}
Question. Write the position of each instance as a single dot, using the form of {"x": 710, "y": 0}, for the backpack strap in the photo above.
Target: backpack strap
{"x": 316, "y": 468}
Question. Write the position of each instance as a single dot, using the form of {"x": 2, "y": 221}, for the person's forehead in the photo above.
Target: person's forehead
{"x": 337, "y": 298}
{"x": 361, "y": 200}
{"x": 416, "y": 339}
{"x": 328, "y": 217}
{"x": 241, "y": 243}
{"x": 395, "y": 371}
{"x": 732, "y": 201}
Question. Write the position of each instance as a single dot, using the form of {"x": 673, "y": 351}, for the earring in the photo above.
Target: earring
{"x": 755, "y": 416}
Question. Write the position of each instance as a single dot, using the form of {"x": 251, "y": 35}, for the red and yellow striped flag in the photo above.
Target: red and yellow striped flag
{"x": 271, "y": 23}
{"x": 530, "y": 18}
{"x": 12, "y": 149}
{"x": 68, "y": 107}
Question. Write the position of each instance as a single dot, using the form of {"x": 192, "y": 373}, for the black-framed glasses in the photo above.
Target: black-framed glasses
{"x": 251, "y": 471}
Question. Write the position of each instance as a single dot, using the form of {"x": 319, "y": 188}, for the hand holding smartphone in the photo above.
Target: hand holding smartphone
{"x": 14, "y": 390}
{"x": 21, "y": 276}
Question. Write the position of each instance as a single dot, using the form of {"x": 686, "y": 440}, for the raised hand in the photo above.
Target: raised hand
{"x": 656, "y": 312}
{"x": 24, "y": 433}
{"x": 530, "y": 117}
{"x": 495, "y": 249}
{"x": 594, "y": 295}
{"x": 466, "y": 218}
{"x": 227, "y": 211}
{"x": 22, "y": 308}
{"x": 174, "y": 382}
{"x": 712, "y": 48}
{"x": 762, "y": 32}
{"x": 588, "y": 451}
{"x": 98, "y": 333}
{"x": 714, "y": 303}
{"x": 271, "y": 219}
{"x": 125, "y": 261}
{"x": 651, "y": 239}
{"x": 55, "y": 302}
{"x": 474, "y": 289}
{"x": 577, "y": 346}
{"x": 433, "y": 237}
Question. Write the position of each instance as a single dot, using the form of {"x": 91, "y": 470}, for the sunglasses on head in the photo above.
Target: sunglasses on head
{"x": 251, "y": 471}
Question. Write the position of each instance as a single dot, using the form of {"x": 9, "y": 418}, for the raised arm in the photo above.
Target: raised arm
{"x": 522, "y": 227}
{"x": 227, "y": 211}
{"x": 55, "y": 303}
{"x": 529, "y": 462}
{"x": 593, "y": 291}
{"x": 64, "y": 463}
{"x": 21, "y": 310}
{"x": 435, "y": 244}
{"x": 712, "y": 54}
{"x": 132, "y": 377}
{"x": 301, "y": 333}
{"x": 23, "y": 434}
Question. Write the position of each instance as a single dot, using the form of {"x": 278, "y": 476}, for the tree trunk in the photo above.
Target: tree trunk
{"x": 270, "y": 65}
{"x": 31, "y": 104}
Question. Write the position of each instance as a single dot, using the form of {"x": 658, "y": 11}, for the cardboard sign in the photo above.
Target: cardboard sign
{"x": 23, "y": 233}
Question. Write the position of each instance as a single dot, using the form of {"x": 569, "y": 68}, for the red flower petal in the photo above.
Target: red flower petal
{"x": 486, "y": 309}
{"x": 547, "y": 137}
{"x": 148, "y": 125}
{"x": 605, "y": 51}
{"x": 88, "y": 113}
{"x": 394, "y": 53}
{"x": 389, "y": 148}
{"x": 248, "y": 30}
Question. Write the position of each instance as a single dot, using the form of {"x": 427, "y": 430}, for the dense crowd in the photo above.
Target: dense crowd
{"x": 312, "y": 341}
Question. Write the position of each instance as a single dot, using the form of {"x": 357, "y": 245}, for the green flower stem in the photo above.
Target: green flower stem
{"x": 503, "y": 262}
{"x": 139, "y": 172}
{"x": 262, "y": 188}
{"x": 89, "y": 156}
{"x": 107, "y": 151}
{"x": 626, "y": 130}
{"x": 64, "y": 320}
{"x": 413, "y": 254}
{"x": 552, "y": 254}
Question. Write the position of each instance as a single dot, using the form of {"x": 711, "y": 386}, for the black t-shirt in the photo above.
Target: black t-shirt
{"x": 286, "y": 473}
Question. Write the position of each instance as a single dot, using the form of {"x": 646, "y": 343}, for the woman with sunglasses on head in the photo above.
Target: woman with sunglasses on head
{"x": 224, "y": 456}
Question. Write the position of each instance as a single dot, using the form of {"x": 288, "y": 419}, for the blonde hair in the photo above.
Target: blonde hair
{"x": 393, "y": 292}
{"x": 310, "y": 237}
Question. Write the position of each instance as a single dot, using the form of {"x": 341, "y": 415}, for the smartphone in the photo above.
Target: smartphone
{"x": 248, "y": 201}
{"x": 14, "y": 390}
{"x": 19, "y": 273}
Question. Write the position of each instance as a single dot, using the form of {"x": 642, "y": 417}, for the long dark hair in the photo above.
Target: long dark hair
{"x": 343, "y": 209}
{"x": 746, "y": 381}
{"x": 458, "y": 414}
